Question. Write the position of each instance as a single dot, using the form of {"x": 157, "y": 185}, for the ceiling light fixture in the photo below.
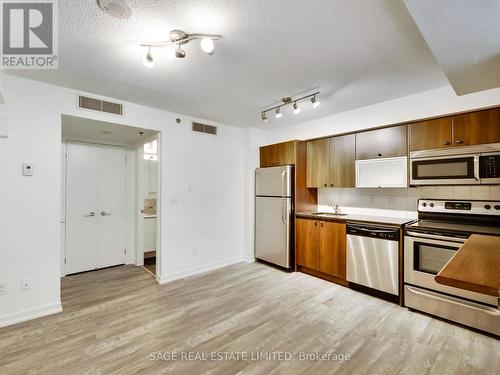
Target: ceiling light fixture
{"x": 115, "y": 8}
{"x": 315, "y": 102}
{"x": 179, "y": 38}
{"x": 289, "y": 100}
{"x": 148, "y": 60}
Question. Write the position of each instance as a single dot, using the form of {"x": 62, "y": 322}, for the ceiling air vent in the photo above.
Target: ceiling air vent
{"x": 100, "y": 105}
{"x": 202, "y": 128}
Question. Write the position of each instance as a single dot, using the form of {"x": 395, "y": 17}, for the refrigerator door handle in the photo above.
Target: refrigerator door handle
{"x": 283, "y": 209}
{"x": 283, "y": 183}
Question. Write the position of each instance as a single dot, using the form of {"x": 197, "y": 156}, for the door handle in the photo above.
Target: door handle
{"x": 104, "y": 213}
{"x": 283, "y": 214}
{"x": 90, "y": 214}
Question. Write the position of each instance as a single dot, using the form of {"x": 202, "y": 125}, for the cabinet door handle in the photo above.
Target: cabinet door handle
{"x": 331, "y": 185}
{"x": 325, "y": 184}
{"x": 446, "y": 143}
{"x": 315, "y": 223}
{"x": 90, "y": 214}
{"x": 459, "y": 141}
{"x": 321, "y": 223}
{"x": 379, "y": 154}
{"x": 104, "y": 213}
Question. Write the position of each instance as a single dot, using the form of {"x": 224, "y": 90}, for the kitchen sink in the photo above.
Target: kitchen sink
{"x": 328, "y": 214}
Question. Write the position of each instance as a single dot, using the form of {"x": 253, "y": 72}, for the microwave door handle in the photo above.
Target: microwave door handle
{"x": 476, "y": 167}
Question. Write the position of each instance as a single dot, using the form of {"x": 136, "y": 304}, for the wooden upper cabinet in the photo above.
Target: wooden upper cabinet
{"x": 431, "y": 134}
{"x": 307, "y": 243}
{"x": 477, "y": 127}
{"x": 277, "y": 154}
{"x": 341, "y": 164}
{"x": 285, "y": 153}
{"x": 332, "y": 249}
{"x": 268, "y": 156}
{"x": 317, "y": 163}
{"x": 381, "y": 143}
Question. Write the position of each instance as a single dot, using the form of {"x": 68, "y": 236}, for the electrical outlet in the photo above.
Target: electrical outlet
{"x": 25, "y": 284}
{"x": 3, "y": 289}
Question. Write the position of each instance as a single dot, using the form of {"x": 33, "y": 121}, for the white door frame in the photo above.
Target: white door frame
{"x": 140, "y": 205}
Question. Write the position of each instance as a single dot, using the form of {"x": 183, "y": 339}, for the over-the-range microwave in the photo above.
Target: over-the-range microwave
{"x": 465, "y": 165}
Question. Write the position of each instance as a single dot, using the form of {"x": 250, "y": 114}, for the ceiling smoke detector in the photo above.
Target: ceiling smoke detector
{"x": 115, "y": 8}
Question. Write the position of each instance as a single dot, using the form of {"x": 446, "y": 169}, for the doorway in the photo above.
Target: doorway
{"x": 103, "y": 197}
{"x": 148, "y": 189}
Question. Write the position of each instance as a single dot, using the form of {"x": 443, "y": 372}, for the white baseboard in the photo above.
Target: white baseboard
{"x": 25, "y": 315}
{"x": 198, "y": 270}
{"x": 248, "y": 259}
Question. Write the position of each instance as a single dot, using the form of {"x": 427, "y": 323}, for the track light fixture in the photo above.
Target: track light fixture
{"x": 148, "y": 59}
{"x": 315, "y": 102}
{"x": 289, "y": 100}
{"x": 278, "y": 113}
{"x": 177, "y": 39}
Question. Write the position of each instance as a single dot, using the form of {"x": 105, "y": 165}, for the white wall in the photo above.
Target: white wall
{"x": 427, "y": 104}
{"x": 202, "y": 208}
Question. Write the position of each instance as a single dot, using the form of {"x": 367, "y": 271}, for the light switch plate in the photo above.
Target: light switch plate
{"x": 27, "y": 170}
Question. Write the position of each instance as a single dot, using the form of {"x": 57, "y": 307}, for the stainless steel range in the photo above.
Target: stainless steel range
{"x": 442, "y": 228}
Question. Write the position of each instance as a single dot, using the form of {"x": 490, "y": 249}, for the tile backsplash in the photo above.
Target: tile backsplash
{"x": 403, "y": 199}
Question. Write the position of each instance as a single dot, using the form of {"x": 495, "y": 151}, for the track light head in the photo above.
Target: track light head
{"x": 315, "y": 102}
{"x": 207, "y": 45}
{"x": 148, "y": 60}
{"x": 278, "y": 113}
{"x": 296, "y": 109}
{"x": 180, "y": 53}
{"x": 263, "y": 116}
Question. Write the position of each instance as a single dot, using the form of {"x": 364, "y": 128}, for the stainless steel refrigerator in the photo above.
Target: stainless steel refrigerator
{"x": 273, "y": 215}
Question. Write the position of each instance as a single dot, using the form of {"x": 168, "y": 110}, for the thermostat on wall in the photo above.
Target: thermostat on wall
{"x": 27, "y": 170}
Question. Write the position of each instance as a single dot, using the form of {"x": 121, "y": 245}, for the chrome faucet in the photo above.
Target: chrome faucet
{"x": 336, "y": 208}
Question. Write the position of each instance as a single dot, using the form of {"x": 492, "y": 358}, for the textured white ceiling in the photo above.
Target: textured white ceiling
{"x": 464, "y": 36}
{"x": 356, "y": 52}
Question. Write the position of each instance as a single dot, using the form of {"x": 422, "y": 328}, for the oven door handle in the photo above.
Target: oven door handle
{"x": 435, "y": 237}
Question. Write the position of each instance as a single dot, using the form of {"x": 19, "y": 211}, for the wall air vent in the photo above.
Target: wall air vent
{"x": 100, "y": 105}
{"x": 202, "y": 128}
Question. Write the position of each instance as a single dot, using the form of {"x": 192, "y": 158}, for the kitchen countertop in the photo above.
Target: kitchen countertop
{"x": 358, "y": 217}
{"x": 475, "y": 266}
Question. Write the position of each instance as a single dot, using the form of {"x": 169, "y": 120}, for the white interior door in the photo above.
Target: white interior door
{"x": 95, "y": 207}
{"x": 112, "y": 180}
{"x": 82, "y": 205}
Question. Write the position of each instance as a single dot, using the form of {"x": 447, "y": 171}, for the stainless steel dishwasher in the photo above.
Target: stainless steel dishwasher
{"x": 373, "y": 256}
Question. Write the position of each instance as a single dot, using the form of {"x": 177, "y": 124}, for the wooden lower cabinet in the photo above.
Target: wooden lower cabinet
{"x": 332, "y": 248}
{"x": 307, "y": 244}
{"x": 321, "y": 246}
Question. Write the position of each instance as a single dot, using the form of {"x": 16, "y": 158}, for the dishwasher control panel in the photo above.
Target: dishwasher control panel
{"x": 384, "y": 233}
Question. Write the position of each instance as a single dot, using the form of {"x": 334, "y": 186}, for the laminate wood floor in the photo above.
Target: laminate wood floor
{"x": 114, "y": 319}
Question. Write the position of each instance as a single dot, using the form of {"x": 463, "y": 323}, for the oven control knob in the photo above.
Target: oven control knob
{"x": 487, "y": 206}
{"x": 424, "y": 204}
{"x": 497, "y": 207}
{"x": 431, "y": 204}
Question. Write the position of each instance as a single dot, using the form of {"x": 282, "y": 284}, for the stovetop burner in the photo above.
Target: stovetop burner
{"x": 457, "y": 217}
{"x": 443, "y": 227}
